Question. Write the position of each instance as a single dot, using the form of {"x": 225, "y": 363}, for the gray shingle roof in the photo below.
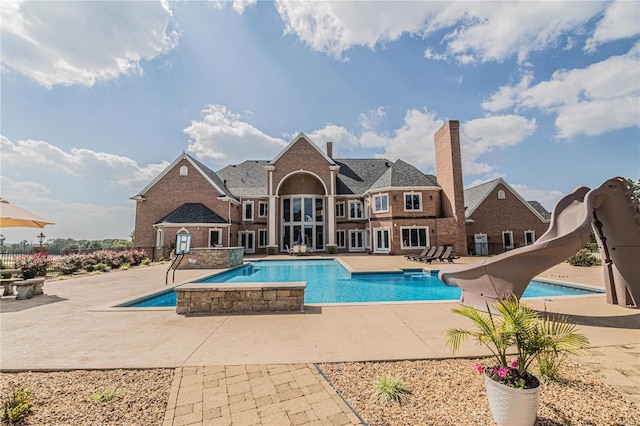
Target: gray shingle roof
{"x": 540, "y": 209}
{"x": 357, "y": 175}
{"x": 247, "y": 179}
{"x": 474, "y": 196}
{"x": 192, "y": 213}
{"x": 213, "y": 176}
{"x": 402, "y": 174}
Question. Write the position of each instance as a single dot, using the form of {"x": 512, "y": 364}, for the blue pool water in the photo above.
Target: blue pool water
{"x": 328, "y": 282}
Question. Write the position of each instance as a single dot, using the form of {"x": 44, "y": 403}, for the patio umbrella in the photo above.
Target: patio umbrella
{"x": 13, "y": 217}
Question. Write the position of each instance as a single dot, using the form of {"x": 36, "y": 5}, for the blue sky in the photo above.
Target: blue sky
{"x": 98, "y": 97}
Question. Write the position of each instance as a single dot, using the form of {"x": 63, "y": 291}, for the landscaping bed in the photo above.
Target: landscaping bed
{"x": 449, "y": 392}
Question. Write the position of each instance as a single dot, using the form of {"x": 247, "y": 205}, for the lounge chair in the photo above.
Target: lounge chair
{"x": 296, "y": 250}
{"x": 289, "y": 250}
{"x": 423, "y": 254}
{"x": 450, "y": 258}
{"x": 303, "y": 249}
{"x": 429, "y": 259}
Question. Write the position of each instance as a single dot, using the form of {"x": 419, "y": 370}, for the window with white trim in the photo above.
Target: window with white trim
{"x": 184, "y": 171}
{"x": 340, "y": 238}
{"x": 356, "y": 240}
{"x": 247, "y": 211}
{"x": 262, "y": 209}
{"x": 355, "y": 210}
{"x": 415, "y": 237}
{"x": 381, "y": 203}
{"x": 529, "y": 237}
{"x": 262, "y": 237}
{"x": 215, "y": 237}
{"x": 340, "y": 209}
{"x": 412, "y": 202}
{"x": 501, "y": 195}
{"x": 507, "y": 240}
{"x": 159, "y": 237}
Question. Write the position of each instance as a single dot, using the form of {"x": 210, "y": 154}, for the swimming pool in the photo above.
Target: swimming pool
{"x": 329, "y": 282}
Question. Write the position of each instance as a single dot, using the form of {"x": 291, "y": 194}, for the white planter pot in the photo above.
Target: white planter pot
{"x": 512, "y": 406}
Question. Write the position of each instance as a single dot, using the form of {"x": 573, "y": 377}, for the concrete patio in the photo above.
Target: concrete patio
{"x": 72, "y": 327}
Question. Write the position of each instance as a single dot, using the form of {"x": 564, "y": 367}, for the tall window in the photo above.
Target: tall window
{"x": 340, "y": 238}
{"x": 262, "y": 237}
{"x": 262, "y": 209}
{"x": 303, "y": 221}
{"x": 415, "y": 237}
{"x": 159, "y": 237}
{"x": 215, "y": 237}
{"x": 412, "y": 202}
{"x": 501, "y": 195}
{"x": 507, "y": 240}
{"x": 355, "y": 210}
{"x": 529, "y": 237}
{"x": 247, "y": 208}
{"x": 340, "y": 209}
{"x": 381, "y": 203}
{"x": 356, "y": 240}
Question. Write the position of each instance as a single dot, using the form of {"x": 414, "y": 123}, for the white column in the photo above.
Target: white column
{"x": 331, "y": 208}
{"x": 272, "y": 207}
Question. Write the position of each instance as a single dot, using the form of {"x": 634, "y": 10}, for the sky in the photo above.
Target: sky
{"x": 97, "y": 98}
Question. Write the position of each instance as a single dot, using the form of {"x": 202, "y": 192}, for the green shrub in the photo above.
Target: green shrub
{"x": 101, "y": 267}
{"x": 124, "y": 267}
{"x": 16, "y": 406}
{"x": 331, "y": 249}
{"x": 389, "y": 388}
{"x": 145, "y": 262}
{"x": 582, "y": 258}
{"x": 103, "y": 396}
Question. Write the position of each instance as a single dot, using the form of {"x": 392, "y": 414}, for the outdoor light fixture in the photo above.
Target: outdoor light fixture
{"x": 41, "y": 238}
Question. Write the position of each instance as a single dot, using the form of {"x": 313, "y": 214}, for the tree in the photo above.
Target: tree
{"x": 635, "y": 187}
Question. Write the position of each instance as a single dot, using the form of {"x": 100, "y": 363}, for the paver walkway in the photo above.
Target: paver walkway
{"x": 277, "y": 394}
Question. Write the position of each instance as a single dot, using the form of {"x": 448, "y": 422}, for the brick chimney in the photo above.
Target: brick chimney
{"x": 330, "y": 150}
{"x": 449, "y": 175}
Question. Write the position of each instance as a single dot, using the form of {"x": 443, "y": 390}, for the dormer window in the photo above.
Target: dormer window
{"x": 184, "y": 171}
{"x": 501, "y": 195}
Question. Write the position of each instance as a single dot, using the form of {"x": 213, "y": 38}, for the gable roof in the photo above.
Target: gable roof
{"x": 299, "y": 137}
{"x": 473, "y": 198}
{"x": 208, "y": 174}
{"x": 247, "y": 179}
{"x": 540, "y": 209}
{"x": 357, "y": 175}
{"x": 192, "y": 213}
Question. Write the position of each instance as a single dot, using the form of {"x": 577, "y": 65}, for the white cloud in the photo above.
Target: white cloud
{"x": 370, "y": 119}
{"x": 621, "y": 20}
{"x": 102, "y": 168}
{"x": 478, "y": 31}
{"x": 483, "y": 135}
{"x": 69, "y": 43}
{"x": 237, "y": 5}
{"x": 602, "y": 97}
{"x": 222, "y": 137}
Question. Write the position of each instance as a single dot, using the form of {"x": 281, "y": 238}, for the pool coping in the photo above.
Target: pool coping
{"x": 118, "y": 305}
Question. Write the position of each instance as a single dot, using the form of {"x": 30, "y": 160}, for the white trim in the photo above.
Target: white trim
{"x": 266, "y": 204}
{"x": 375, "y": 240}
{"x": 361, "y": 210}
{"x": 402, "y": 188}
{"x": 343, "y": 213}
{"x": 501, "y": 195}
{"x": 510, "y": 233}
{"x": 266, "y": 236}
{"x": 357, "y": 249}
{"x": 410, "y": 247}
{"x": 159, "y": 237}
{"x": 244, "y": 211}
{"x": 295, "y": 140}
{"x": 533, "y": 235}
{"x": 285, "y": 177}
{"x": 253, "y": 239}
{"x": 190, "y": 225}
{"x": 381, "y": 196}
{"x": 404, "y": 201}
{"x": 184, "y": 171}
{"x": 219, "y": 242}
{"x": 344, "y": 238}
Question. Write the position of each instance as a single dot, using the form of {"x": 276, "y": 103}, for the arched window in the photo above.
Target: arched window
{"x": 501, "y": 195}
{"x": 184, "y": 171}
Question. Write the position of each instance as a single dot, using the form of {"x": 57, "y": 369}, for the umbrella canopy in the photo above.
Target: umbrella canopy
{"x": 13, "y": 217}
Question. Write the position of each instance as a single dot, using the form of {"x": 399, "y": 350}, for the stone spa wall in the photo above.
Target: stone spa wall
{"x": 195, "y": 298}
{"x": 212, "y": 258}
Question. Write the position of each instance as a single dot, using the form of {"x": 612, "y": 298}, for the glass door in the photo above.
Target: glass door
{"x": 382, "y": 240}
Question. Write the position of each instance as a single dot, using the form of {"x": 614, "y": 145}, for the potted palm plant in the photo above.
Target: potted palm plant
{"x": 514, "y": 392}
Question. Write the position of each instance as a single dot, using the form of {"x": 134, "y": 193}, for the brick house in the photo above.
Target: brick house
{"x": 306, "y": 195}
{"x": 499, "y": 219}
